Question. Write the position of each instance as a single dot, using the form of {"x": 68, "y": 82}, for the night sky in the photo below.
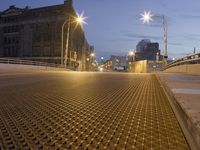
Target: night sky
{"x": 114, "y": 26}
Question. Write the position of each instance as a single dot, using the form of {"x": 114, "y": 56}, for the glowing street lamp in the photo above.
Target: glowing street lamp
{"x": 132, "y": 55}
{"x": 79, "y": 20}
{"x": 148, "y": 17}
{"x": 92, "y": 54}
{"x": 88, "y": 59}
{"x": 91, "y": 60}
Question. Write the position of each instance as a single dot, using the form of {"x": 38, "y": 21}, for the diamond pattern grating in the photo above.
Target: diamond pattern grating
{"x": 99, "y": 111}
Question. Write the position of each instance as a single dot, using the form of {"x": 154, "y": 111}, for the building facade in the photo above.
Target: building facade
{"x": 119, "y": 62}
{"x": 146, "y": 50}
{"x": 35, "y": 34}
{"x": 141, "y": 46}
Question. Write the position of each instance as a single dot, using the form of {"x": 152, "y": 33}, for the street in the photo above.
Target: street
{"x": 78, "y": 110}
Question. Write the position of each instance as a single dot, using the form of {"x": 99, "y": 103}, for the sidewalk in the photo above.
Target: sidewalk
{"x": 186, "y": 91}
{"x": 15, "y": 68}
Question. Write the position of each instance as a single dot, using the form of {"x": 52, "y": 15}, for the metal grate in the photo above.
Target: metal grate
{"x": 98, "y": 111}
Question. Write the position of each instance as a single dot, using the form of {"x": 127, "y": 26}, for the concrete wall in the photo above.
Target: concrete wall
{"x": 19, "y": 67}
{"x": 190, "y": 69}
{"x": 138, "y": 66}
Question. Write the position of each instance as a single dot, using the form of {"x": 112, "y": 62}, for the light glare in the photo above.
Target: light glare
{"x": 81, "y": 19}
{"x": 131, "y": 53}
{"x": 92, "y": 54}
{"x": 146, "y": 17}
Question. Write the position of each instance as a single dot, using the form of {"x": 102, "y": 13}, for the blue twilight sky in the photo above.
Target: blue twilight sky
{"x": 114, "y": 26}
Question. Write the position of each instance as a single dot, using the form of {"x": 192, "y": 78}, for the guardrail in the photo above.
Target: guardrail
{"x": 189, "y": 59}
{"x": 33, "y": 63}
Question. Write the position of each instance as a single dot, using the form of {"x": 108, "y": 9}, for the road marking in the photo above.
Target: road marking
{"x": 186, "y": 91}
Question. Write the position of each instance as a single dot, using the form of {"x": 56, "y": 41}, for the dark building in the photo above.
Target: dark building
{"x": 36, "y": 34}
{"x": 145, "y": 50}
{"x": 141, "y": 46}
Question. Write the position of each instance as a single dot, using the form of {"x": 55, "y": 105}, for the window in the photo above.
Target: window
{"x": 5, "y": 29}
{"x": 5, "y": 40}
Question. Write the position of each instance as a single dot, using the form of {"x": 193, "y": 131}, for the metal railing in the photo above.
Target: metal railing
{"x": 32, "y": 63}
{"x": 189, "y": 59}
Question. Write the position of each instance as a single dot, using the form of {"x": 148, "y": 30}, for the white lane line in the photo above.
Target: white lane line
{"x": 186, "y": 91}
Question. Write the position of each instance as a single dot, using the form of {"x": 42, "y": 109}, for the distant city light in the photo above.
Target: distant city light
{"x": 101, "y": 69}
{"x": 131, "y": 53}
{"x": 92, "y": 54}
{"x": 102, "y": 58}
{"x": 146, "y": 17}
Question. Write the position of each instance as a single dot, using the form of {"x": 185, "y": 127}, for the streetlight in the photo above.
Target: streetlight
{"x": 66, "y": 21}
{"x": 79, "y": 19}
{"x": 132, "y": 55}
{"x": 92, "y": 54}
{"x": 91, "y": 60}
{"x": 146, "y": 18}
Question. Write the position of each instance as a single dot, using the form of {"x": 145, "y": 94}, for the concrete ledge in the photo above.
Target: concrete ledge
{"x": 190, "y": 69}
{"x": 19, "y": 67}
{"x": 191, "y": 131}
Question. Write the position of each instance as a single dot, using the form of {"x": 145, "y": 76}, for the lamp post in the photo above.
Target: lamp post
{"x": 92, "y": 55}
{"x": 165, "y": 38}
{"x": 102, "y": 59}
{"x": 63, "y": 25}
{"x": 132, "y": 55}
{"x": 67, "y": 41}
{"x": 146, "y": 18}
{"x": 79, "y": 19}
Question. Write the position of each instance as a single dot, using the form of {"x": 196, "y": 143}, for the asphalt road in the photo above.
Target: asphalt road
{"x": 71, "y": 110}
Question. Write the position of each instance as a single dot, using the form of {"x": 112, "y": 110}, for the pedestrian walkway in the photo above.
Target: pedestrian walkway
{"x": 186, "y": 91}
{"x": 20, "y": 68}
{"x": 69, "y": 110}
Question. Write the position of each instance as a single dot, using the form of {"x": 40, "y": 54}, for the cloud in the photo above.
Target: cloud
{"x": 179, "y": 54}
{"x": 139, "y": 36}
{"x": 192, "y": 37}
{"x": 158, "y": 21}
{"x": 170, "y": 7}
{"x": 125, "y": 39}
{"x": 175, "y": 44}
{"x": 189, "y": 16}
{"x": 156, "y": 25}
{"x": 110, "y": 52}
{"x": 106, "y": 28}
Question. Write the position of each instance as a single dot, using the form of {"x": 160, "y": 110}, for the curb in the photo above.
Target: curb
{"x": 189, "y": 129}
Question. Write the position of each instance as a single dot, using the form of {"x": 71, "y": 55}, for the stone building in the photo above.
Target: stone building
{"x": 35, "y": 34}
